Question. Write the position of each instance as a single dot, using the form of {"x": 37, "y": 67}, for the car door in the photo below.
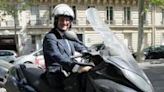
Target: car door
{"x": 39, "y": 58}
{"x": 7, "y": 56}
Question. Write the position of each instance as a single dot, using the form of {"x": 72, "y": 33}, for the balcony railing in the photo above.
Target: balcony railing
{"x": 75, "y": 22}
{"x": 112, "y": 22}
{"x": 162, "y": 22}
{"x": 9, "y": 23}
{"x": 87, "y": 22}
{"x": 40, "y": 22}
{"x": 145, "y": 22}
{"x": 127, "y": 22}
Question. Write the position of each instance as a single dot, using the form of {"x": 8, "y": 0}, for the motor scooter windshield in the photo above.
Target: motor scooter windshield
{"x": 120, "y": 55}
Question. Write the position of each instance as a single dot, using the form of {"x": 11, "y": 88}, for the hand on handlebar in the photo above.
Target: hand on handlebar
{"x": 84, "y": 69}
{"x": 81, "y": 69}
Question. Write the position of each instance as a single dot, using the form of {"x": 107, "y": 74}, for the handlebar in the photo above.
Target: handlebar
{"x": 85, "y": 64}
{"x": 85, "y": 57}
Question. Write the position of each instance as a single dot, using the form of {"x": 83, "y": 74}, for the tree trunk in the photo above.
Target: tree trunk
{"x": 140, "y": 30}
{"x": 15, "y": 34}
{"x": 153, "y": 24}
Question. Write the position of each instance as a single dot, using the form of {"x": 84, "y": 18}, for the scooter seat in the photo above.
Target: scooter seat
{"x": 35, "y": 77}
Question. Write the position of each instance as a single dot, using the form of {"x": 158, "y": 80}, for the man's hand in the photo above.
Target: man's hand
{"x": 84, "y": 69}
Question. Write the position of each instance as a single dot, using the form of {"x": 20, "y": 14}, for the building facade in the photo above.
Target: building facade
{"x": 120, "y": 15}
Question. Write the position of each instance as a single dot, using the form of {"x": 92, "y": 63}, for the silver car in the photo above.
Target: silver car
{"x": 8, "y": 55}
{"x": 35, "y": 57}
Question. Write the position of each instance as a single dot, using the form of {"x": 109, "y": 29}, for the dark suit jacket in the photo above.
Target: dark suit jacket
{"x": 56, "y": 55}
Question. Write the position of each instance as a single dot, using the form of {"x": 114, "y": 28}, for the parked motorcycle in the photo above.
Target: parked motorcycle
{"x": 114, "y": 69}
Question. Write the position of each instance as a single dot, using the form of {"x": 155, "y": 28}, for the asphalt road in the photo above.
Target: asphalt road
{"x": 155, "y": 73}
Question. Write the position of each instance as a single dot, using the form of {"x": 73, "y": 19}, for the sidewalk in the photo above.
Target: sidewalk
{"x": 152, "y": 63}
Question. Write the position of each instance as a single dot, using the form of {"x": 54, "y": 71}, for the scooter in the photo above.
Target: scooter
{"x": 114, "y": 68}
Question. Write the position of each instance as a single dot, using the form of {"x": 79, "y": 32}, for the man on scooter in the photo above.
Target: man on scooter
{"x": 58, "y": 50}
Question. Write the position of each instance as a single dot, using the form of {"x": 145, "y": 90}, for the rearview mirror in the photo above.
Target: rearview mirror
{"x": 71, "y": 35}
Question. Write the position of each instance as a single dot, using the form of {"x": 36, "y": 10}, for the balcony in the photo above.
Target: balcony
{"x": 75, "y": 22}
{"x": 162, "y": 22}
{"x": 127, "y": 22}
{"x": 145, "y": 22}
{"x": 40, "y": 22}
{"x": 112, "y": 22}
{"x": 8, "y": 23}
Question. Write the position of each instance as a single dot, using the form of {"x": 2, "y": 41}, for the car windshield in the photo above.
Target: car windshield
{"x": 5, "y": 53}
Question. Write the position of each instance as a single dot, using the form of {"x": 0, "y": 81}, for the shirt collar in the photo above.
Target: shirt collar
{"x": 61, "y": 33}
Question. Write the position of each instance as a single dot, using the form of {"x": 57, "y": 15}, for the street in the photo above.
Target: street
{"x": 155, "y": 73}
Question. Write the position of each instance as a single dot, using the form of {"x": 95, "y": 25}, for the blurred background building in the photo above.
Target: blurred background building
{"x": 120, "y": 15}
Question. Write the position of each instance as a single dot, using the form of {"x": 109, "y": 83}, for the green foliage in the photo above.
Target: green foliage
{"x": 159, "y": 3}
{"x": 12, "y": 8}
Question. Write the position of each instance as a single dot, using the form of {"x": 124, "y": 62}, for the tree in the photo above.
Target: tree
{"x": 159, "y": 3}
{"x": 142, "y": 10}
{"x": 13, "y": 8}
{"x": 140, "y": 30}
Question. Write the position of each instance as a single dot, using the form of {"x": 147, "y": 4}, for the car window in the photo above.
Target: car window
{"x": 147, "y": 49}
{"x": 154, "y": 49}
{"x": 5, "y": 53}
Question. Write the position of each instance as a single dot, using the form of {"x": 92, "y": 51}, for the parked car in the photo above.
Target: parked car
{"x": 153, "y": 52}
{"x": 4, "y": 68}
{"x": 35, "y": 57}
{"x": 8, "y": 55}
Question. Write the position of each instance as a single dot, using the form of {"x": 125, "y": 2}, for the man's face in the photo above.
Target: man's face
{"x": 63, "y": 23}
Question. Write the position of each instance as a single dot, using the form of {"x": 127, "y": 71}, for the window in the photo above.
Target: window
{"x": 87, "y": 22}
{"x": 145, "y": 40}
{"x": 33, "y": 39}
{"x": 50, "y": 12}
{"x": 127, "y": 15}
{"x": 74, "y": 10}
{"x": 91, "y": 6}
{"x": 5, "y": 53}
{"x": 34, "y": 15}
{"x": 162, "y": 22}
{"x": 51, "y": 17}
{"x": 109, "y": 15}
{"x": 128, "y": 39}
{"x": 35, "y": 10}
{"x": 162, "y": 39}
{"x": 145, "y": 18}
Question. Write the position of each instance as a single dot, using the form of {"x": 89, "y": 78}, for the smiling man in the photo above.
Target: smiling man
{"x": 57, "y": 49}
